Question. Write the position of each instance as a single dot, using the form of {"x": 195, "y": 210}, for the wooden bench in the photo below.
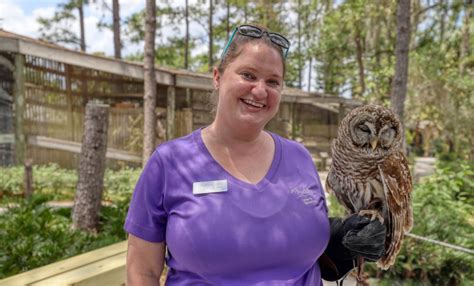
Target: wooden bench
{"x": 103, "y": 267}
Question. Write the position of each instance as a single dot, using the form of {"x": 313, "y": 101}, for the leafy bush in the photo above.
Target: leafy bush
{"x": 443, "y": 207}
{"x": 34, "y": 235}
{"x": 49, "y": 179}
{"x": 60, "y": 184}
{"x": 119, "y": 185}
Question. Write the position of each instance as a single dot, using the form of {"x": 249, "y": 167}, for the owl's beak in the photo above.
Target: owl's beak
{"x": 373, "y": 143}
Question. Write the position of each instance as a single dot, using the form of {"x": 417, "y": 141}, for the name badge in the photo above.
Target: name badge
{"x": 209, "y": 187}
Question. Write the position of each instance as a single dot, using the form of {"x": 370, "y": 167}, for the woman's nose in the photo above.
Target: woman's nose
{"x": 259, "y": 90}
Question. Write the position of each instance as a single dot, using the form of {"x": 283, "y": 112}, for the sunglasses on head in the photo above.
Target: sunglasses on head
{"x": 256, "y": 32}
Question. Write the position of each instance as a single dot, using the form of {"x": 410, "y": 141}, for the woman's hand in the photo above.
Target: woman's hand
{"x": 351, "y": 237}
{"x": 363, "y": 237}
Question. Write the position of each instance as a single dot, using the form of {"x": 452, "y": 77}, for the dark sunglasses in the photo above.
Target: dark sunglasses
{"x": 256, "y": 32}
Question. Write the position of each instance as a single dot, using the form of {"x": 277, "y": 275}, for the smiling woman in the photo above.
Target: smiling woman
{"x": 233, "y": 203}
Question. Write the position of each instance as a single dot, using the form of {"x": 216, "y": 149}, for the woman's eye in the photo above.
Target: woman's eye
{"x": 273, "y": 82}
{"x": 247, "y": 75}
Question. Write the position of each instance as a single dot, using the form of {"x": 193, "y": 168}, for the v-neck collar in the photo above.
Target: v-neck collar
{"x": 197, "y": 134}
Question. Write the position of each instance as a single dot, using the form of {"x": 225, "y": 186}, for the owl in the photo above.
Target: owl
{"x": 369, "y": 174}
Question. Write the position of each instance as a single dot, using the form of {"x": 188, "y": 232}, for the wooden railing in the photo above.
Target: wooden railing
{"x": 104, "y": 266}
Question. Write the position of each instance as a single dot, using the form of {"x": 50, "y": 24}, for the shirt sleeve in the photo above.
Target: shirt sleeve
{"x": 146, "y": 216}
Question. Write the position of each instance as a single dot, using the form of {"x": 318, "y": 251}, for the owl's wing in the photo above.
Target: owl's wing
{"x": 397, "y": 182}
{"x": 334, "y": 185}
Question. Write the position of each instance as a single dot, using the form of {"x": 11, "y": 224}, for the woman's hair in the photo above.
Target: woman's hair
{"x": 235, "y": 48}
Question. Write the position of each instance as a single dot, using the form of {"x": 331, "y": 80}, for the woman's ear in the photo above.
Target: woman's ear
{"x": 217, "y": 77}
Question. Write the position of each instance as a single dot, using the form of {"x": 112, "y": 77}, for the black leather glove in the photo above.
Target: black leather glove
{"x": 354, "y": 236}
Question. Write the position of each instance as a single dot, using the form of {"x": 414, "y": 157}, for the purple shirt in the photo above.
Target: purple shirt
{"x": 270, "y": 233}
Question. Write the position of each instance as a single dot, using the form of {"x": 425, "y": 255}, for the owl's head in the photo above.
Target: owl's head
{"x": 374, "y": 128}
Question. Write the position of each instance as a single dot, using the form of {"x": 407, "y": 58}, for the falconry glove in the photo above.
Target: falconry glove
{"x": 351, "y": 237}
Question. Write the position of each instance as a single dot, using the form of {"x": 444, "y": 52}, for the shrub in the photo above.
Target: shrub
{"x": 34, "y": 235}
{"x": 443, "y": 208}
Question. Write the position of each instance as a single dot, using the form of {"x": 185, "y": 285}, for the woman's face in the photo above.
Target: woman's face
{"x": 250, "y": 87}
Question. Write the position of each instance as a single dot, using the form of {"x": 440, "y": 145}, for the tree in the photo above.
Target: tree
{"x": 399, "y": 86}
{"x": 186, "y": 36}
{"x": 116, "y": 17}
{"x": 211, "y": 36}
{"x": 149, "y": 99}
{"x": 57, "y": 29}
{"x": 114, "y": 26}
{"x": 88, "y": 199}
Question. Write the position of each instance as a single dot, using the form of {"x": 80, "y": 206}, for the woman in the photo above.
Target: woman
{"x": 233, "y": 203}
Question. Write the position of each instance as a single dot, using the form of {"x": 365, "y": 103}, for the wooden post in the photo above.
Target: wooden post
{"x": 19, "y": 99}
{"x": 285, "y": 117}
{"x": 70, "y": 116}
{"x": 88, "y": 198}
{"x": 28, "y": 178}
{"x": 293, "y": 120}
{"x": 341, "y": 113}
{"x": 170, "y": 112}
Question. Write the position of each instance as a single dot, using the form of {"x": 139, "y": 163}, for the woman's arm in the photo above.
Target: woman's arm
{"x": 145, "y": 261}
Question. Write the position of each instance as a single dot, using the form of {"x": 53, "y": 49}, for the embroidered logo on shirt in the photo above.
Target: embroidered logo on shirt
{"x": 307, "y": 195}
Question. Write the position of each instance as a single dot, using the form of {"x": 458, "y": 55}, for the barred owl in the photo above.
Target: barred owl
{"x": 369, "y": 173}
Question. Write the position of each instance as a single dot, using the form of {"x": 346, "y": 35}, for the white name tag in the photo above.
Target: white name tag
{"x": 208, "y": 187}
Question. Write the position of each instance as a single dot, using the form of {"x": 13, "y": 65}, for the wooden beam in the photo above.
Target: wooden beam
{"x": 109, "y": 271}
{"x": 66, "y": 265}
{"x": 89, "y": 61}
{"x": 9, "y": 45}
{"x": 170, "y": 112}
{"x": 19, "y": 102}
{"x": 70, "y": 114}
{"x": 75, "y": 147}
{"x": 195, "y": 82}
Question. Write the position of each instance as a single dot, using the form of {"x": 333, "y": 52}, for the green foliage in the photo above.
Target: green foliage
{"x": 34, "y": 235}
{"x": 443, "y": 210}
{"x": 57, "y": 29}
{"x": 48, "y": 179}
{"x": 60, "y": 184}
{"x": 119, "y": 185}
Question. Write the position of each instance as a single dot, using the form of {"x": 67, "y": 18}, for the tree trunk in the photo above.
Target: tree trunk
{"x": 309, "y": 73}
{"x": 399, "y": 85}
{"x": 442, "y": 21}
{"x": 227, "y": 21}
{"x": 19, "y": 109}
{"x": 465, "y": 52}
{"x": 81, "y": 23}
{"x": 149, "y": 100}
{"x": 360, "y": 62}
{"x": 117, "y": 43}
{"x": 186, "y": 37}
{"x": 28, "y": 178}
{"x": 246, "y": 13}
{"x": 87, "y": 203}
{"x": 211, "y": 12}
{"x": 300, "y": 55}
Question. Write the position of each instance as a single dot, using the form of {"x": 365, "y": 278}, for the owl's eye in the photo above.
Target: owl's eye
{"x": 364, "y": 128}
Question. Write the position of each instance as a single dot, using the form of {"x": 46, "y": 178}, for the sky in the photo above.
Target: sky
{"x": 19, "y": 16}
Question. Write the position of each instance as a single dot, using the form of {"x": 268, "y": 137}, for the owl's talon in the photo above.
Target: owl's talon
{"x": 373, "y": 214}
